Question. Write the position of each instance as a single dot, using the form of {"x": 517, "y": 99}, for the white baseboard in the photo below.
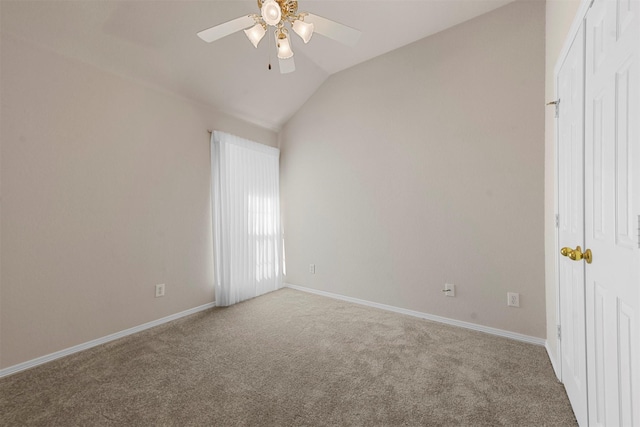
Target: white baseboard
{"x": 552, "y": 358}
{"x": 84, "y": 346}
{"x": 432, "y": 317}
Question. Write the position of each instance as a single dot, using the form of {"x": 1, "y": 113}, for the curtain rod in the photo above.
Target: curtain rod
{"x": 209, "y": 130}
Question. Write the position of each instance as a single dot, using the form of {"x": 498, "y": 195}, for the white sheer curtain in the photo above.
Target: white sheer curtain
{"x": 245, "y": 198}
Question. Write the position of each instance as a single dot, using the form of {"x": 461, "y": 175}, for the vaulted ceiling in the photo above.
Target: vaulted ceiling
{"x": 156, "y": 41}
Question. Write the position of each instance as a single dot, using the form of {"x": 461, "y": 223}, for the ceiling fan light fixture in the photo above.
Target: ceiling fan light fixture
{"x": 255, "y": 33}
{"x": 283, "y": 45}
{"x": 303, "y": 29}
{"x": 271, "y": 12}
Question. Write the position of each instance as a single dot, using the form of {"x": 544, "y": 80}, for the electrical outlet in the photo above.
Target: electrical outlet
{"x": 449, "y": 290}
{"x": 160, "y": 290}
{"x": 513, "y": 299}
{"x": 312, "y": 268}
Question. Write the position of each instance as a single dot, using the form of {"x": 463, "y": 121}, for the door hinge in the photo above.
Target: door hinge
{"x": 558, "y": 221}
{"x": 638, "y": 231}
{"x": 555, "y": 103}
{"x": 559, "y": 334}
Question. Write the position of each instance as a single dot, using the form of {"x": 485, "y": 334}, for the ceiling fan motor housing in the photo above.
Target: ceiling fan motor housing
{"x": 289, "y": 8}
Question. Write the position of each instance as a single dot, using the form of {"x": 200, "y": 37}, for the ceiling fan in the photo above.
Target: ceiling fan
{"x": 277, "y": 13}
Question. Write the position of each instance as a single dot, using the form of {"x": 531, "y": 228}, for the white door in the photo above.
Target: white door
{"x": 612, "y": 211}
{"x": 571, "y": 226}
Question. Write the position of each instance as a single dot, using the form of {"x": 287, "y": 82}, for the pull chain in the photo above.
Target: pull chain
{"x": 269, "y": 51}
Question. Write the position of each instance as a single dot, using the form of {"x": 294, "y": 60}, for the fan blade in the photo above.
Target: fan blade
{"x": 287, "y": 65}
{"x": 334, "y": 30}
{"x": 219, "y": 31}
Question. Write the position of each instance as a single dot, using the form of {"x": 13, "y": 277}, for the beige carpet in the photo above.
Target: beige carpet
{"x": 292, "y": 358}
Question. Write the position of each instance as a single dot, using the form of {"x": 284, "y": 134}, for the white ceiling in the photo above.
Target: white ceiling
{"x": 156, "y": 41}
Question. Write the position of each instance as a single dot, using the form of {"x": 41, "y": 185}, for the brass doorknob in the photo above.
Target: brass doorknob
{"x": 577, "y": 254}
{"x": 566, "y": 251}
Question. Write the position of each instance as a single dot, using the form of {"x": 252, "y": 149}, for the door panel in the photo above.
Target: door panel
{"x": 571, "y": 225}
{"x": 625, "y": 330}
{"x": 622, "y": 168}
{"x": 598, "y": 230}
{"x": 598, "y": 360}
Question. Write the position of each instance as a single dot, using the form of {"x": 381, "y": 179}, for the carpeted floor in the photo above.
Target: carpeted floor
{"x": 293, "y": 359}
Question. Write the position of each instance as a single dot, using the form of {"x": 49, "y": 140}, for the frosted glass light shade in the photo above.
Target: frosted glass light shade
{"x": 303, "y": 29}
{"x": 283, "y": 45}
{"x": 271, "y": 12}
{"x": 255, "y": 34}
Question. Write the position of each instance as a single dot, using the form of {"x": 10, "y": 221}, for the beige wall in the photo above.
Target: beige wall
{"x": 425, "y": 166}
{"x": 559, "y": 17}
{"x": 105, "y": 193}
